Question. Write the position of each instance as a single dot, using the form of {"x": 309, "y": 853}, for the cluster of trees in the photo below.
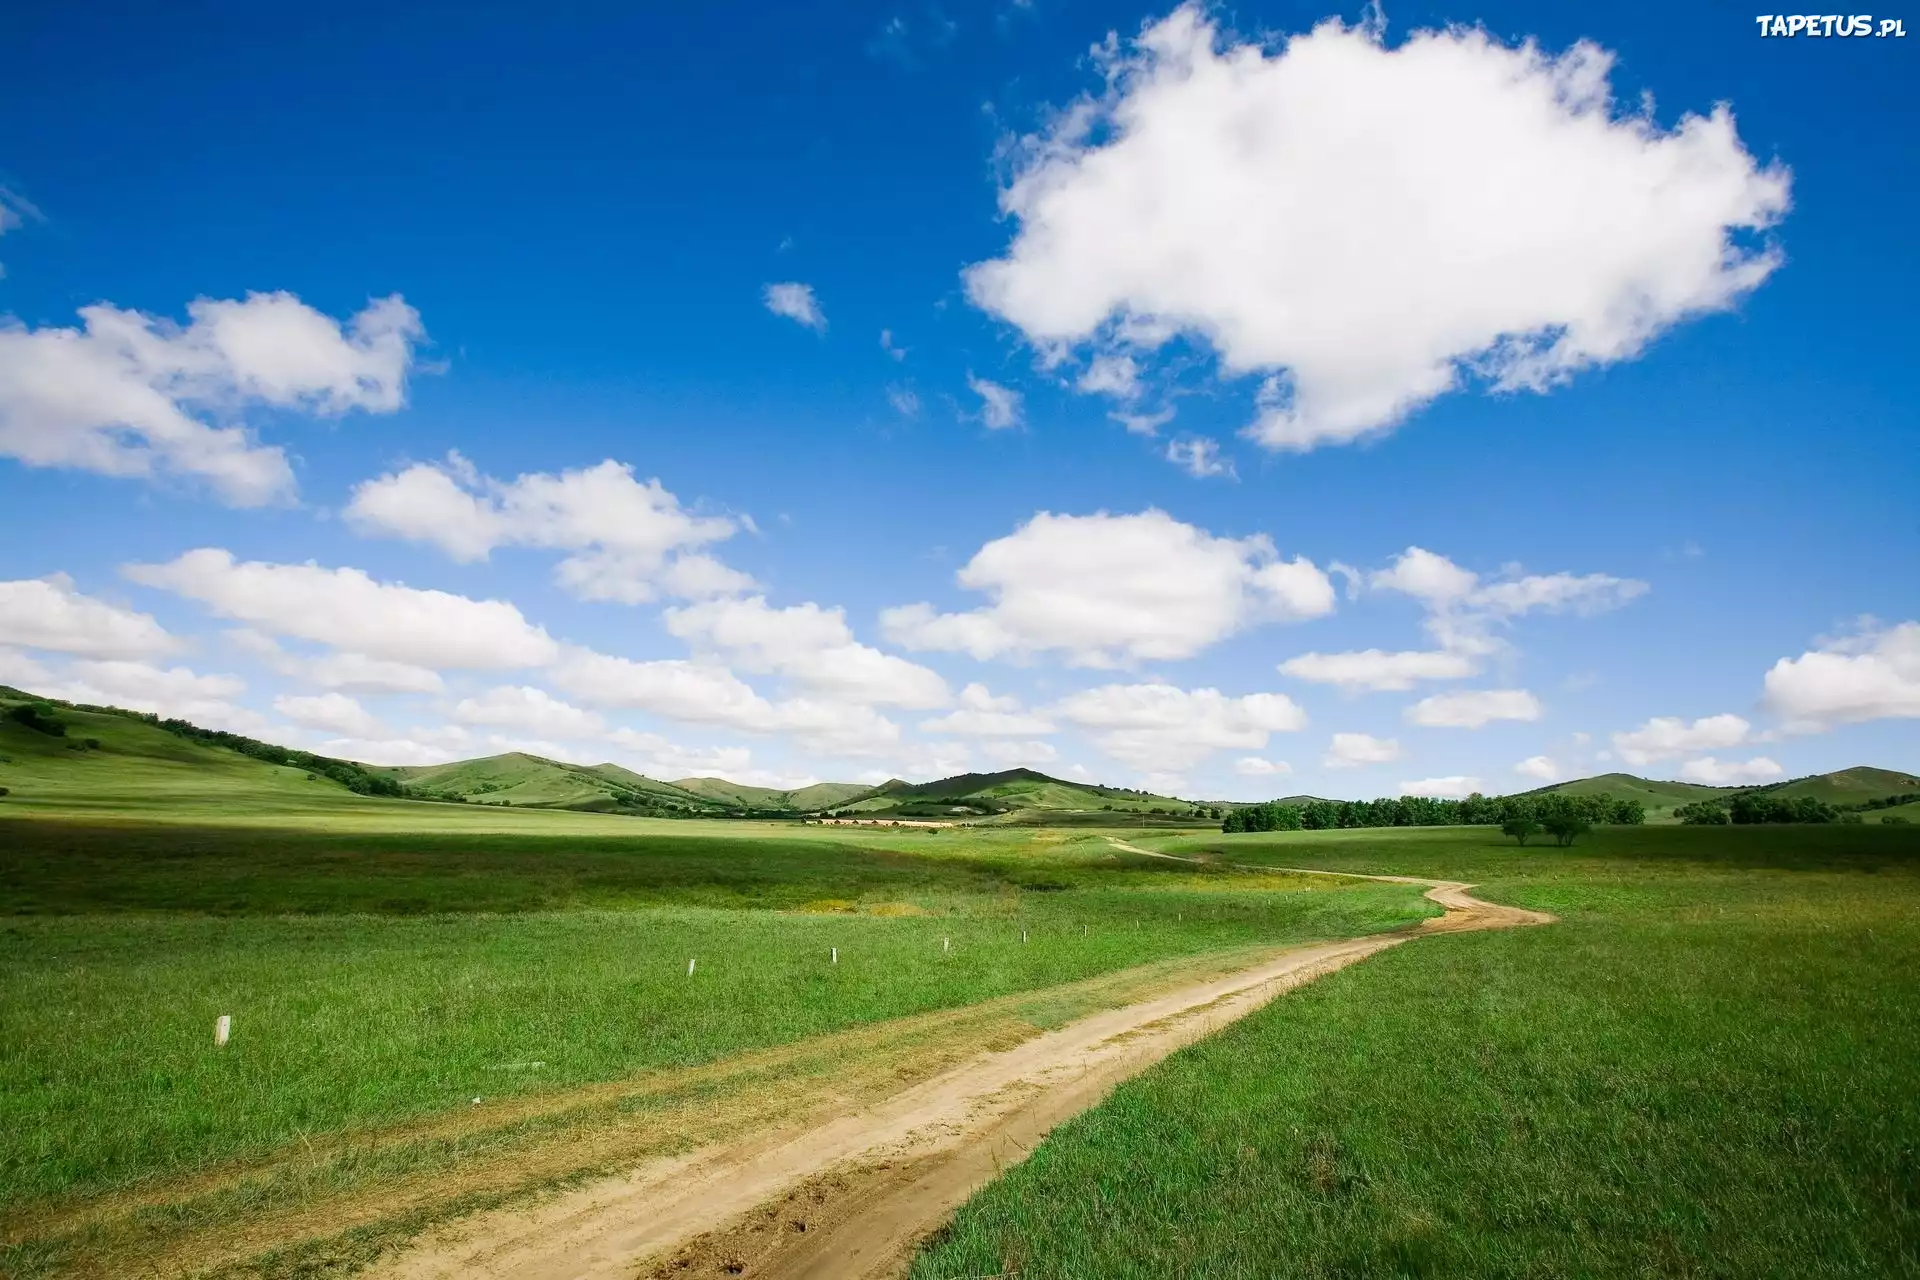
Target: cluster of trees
{"x": 354, "y": 777}
{"x": 39, "y": 717}
{"x": 1565, "y": 828}
{"x": 1890, "y": 802}
{"x": 1424, "y": 811}
{"x": 1753, "y": 809}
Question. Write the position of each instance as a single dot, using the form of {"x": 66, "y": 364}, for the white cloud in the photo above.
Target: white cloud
{"x": 51, "y": 613}
{"x": 1113, "y": 375}
{"x": 1448, "y": 209}
{"x": 892, "y": 348}
{"x": 332, "y": 713}
{"x": 1668, "y": 737}
{"x": 690, "y": 692}
{"x": 905, "y": 401}
{"x": 708, "y": 693}
{"x": 419, "y": 745}
{"x": 1352, "y": 750}
{"x": 658, "y": 757}
{"x": 1453, "y": 787}
{"x": 628, "y": 537}
{"x": 1376, "y": 670}
{"x": 1873, "y": 675}
{"x": 128, "y": 393}
{"x": 796, "y": 302}
{"x": 999, "y": 406}
{"x": 1542, "y": 768}
{"x": 1430, "y": 578}
{"x": 1106, "y": 590}
{"x": 351, "y": 672}
{"x": 347, "y": 609}
{"x": 1009, "y": 754}
{"x": 1256, "y": 767}
{"x": 179, "y": 692}
{"x": 22, "y": 672}
{"x": 1199, "y": 457}
{"x": 1144, "y": 424}
{"x": 1728, "y": 773}
{"x": 1164, "y": 728}
{"x": 810, "y": 645}
{"x": 1463, "y": 610}
{"x": 1473, "y": 709}
{"x": 528, "y": 710}
{"x": 983, "y": 715}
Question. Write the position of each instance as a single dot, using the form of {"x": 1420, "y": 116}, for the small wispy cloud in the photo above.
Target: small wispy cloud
{"x": 796, "y": 302}
{"x": 1199, "y": 457}
{"x": 904, "y": 400}
{"x": 1000, "y": 406}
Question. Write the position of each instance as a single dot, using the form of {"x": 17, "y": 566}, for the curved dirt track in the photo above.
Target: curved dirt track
{"x": 853, "y": 1197}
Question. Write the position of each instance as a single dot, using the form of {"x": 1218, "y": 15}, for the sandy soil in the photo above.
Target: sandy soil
{"x": 853, "y": 1196}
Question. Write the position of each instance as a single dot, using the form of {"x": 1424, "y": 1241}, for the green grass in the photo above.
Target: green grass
{"x": 1708, "y": 1068}
{"x": 374, "y": 977}
{"x": 520, "y": 779}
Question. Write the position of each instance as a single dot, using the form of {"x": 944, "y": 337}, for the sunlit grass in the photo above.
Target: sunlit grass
{"x": 1708, "y": 1068}
{"x": 372, "y": 978}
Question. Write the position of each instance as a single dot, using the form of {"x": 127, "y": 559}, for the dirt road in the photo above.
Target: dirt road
{"x": 851, "y": 1197}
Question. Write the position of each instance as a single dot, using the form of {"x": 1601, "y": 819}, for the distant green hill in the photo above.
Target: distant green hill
{"x": 1018, "y": 795}
{"x": 116, "y": 763}
{"x": 821, "y": 795}
{"x": 1845, "y": 787}
{"x": 535, "y": 782}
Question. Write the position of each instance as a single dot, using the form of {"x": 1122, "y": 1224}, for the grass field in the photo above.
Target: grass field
{"x": 374, "y": 977}
{"x": 1708, "y": 1068}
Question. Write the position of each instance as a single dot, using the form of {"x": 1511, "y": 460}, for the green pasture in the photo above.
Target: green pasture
{"x": 373, "y": 977}
{"x": 1709, "y": 1067}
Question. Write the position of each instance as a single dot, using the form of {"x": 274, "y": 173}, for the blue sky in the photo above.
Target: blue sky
{"x": 1196, "y": 323}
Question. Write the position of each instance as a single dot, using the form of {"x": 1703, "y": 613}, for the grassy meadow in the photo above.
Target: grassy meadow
{"x": 375, "y": 976}
{"x": 1709, "y": 1067}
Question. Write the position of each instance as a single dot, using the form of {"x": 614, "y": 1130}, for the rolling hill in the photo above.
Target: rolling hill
{"x": 821, "y": 795}
{"x": 1843, "y": 787}
{"x": 528, "y": 781}
{"x": 109, "y": 761}
{"x": 1017, "y": 795}
{"x": 114, "y": 763}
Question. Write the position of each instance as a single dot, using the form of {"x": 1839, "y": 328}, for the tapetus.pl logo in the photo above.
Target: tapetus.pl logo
{"x": 1830, "y": 24}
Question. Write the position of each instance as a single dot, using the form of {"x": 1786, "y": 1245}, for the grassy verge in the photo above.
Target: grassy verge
{"x": 416, "y": 977}
{"x": 1707, "y": 1069}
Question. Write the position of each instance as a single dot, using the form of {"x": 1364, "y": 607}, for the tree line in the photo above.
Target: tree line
{"x": 354, "y": 777}
{"x": 1754, "y": 809}
{"x": 1425, "y": 811}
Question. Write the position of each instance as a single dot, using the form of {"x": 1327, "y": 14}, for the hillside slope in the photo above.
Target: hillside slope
{"x": 820, "y": 795}
{"x": 1018, "y": 795}
{"x": 529, "y": 781}
{"x": 113, "y": 763}
{"x": 1843, "y": 787}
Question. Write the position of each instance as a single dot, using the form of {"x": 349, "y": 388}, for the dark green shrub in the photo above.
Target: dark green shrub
{"x": 39, "y": 717}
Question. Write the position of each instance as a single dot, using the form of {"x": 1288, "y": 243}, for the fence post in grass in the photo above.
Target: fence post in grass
{"x": 946, "y": 944}
{"x": 836, "y": 955}
{"x": 222, "y": 1028}
{"x": 1023, "y": 935}
{"x": 690, "y": 965}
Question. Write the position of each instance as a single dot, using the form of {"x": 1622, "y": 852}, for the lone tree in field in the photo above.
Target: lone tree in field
{"x": 1565, "y": 828}
{"x": 1520, "y": 829}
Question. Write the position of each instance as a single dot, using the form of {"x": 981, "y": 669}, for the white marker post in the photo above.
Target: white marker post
{"x": 222, "y": 1028}
{"x": 1023, "y": 935}
{"x": 690, "y": 965}
{"x": 836, "y": 955}
{"x": 946, "y": 944}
